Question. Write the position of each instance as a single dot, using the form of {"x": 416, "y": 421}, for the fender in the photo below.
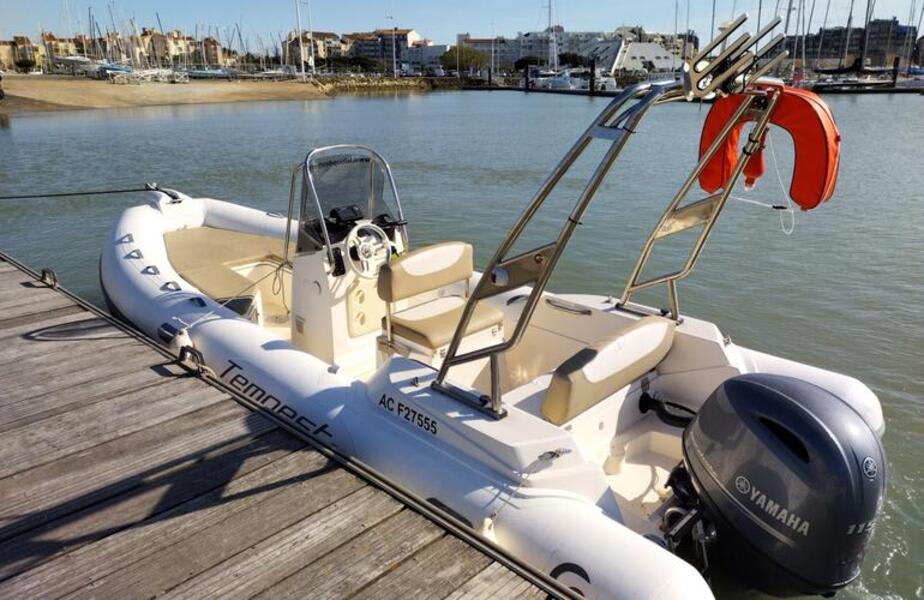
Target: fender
{"x": 816, "y": 140}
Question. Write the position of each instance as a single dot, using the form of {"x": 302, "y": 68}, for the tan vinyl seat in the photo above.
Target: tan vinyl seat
{"x": 217, "y": 282}
{"x": 204, "y": 256}
{"x": 598, "y": 371}
{"x": 431, "y": 324}
{"x": 207, "y": 246}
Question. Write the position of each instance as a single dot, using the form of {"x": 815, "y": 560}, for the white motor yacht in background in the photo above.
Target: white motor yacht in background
{"x": 542, "y": 80}
{"x": 628, "y": 451}
{"x": 568, "y": 79}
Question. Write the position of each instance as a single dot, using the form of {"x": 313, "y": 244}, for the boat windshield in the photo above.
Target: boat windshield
{"x": 343, "y": 185}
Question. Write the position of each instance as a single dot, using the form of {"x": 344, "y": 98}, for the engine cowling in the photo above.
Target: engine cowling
{"x": 792, "y": 478}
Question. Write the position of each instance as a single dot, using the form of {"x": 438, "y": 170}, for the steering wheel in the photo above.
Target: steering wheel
{"x": 372, "y": 248}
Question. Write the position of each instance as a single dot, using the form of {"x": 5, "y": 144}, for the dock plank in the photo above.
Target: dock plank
{"x": 44, "y": 300}
{"x": 362, "y": 560}
{"x": 14, "y": 331}
{"x": 121, "y": 476}
{"x": 69, "y": 484}
{"x": 91, "y": 562}
{"x": 434, "y": 572}
{"x": 142, "y": 503}
{"x": 291, "y": 549}
{"x": 11, "y": 279}
{"x": 30, "y": 409}
{"x": 212, "y": 559}
{"x": 31, "y": 318}
{"x": 496, "y": 581}
{"x": 30, "y": 379}
{"x": 83, "y": 428}
{"x": 47, "y": 344}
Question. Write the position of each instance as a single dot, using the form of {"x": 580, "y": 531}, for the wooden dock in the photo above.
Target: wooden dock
{"x": 124, "y": 476}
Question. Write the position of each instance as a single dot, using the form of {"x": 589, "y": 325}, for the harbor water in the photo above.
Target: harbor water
{"x": 842, "y": 291}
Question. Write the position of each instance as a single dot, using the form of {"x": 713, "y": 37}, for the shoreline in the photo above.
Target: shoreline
{"x": 27, "y": 94}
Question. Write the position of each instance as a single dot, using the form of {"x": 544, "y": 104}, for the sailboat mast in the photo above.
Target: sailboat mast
{"x": 869, "y": 17}
{"x": 806, "y": 30}
{"x": 674, "y": 43}
{"x": 788, "y": 13}
{"x": 160, "y": 27}
{"x": 847, "y": 35}
{"x": 821, "y": 36}
{"x": 67, "y": 16}
{"x": 908, "y": 43}
{"x": 301, "y": 47}
{"x": 314, "y": 71}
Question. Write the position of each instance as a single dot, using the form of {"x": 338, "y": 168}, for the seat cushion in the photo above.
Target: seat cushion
{"x": 425, "y": 269}
{"x": 432, "y": 324}
{"x": 205, "y": 257}
{"x": 598, "y": 371}
{"x": 219, "y": 282}
{"x": 201, "y": 247}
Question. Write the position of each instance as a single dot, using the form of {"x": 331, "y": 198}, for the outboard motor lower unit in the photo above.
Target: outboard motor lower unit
{"x": 792, "y": 479}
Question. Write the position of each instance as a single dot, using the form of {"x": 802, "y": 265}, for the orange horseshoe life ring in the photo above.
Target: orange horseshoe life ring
{"x": 816, "y": 141}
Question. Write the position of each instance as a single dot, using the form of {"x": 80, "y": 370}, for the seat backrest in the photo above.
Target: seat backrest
{"x": 598, "y": 371}
{"x": 425, "y": 269}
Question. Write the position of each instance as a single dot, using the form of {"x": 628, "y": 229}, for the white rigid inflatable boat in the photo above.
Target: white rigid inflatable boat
{"x": 618, "y": 448}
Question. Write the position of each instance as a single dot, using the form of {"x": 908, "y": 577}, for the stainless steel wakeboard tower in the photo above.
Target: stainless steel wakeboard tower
{"x": 733, "y": 70}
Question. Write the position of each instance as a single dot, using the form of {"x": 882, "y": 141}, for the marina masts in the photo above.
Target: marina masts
{"x": 553, "y": 43}
{"x": 301, "y": 47}
{"x": 847, "y": 35}
{"x": 821, "y": 35}
{"x": 788, "y": 13}
{"x": 394, "y": 35}
{"x": 869, "y": 17}
{"x": 311, "y": 39}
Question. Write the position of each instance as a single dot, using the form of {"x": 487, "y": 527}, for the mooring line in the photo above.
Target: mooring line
{"x": 67, "y": 194}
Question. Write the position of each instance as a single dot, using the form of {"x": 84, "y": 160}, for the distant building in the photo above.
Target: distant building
{"x": 605, "y": 48}
{"x": 214, "y": 53}
{"x": 56, "y": 47}
{"x": 20, "y": 49}
{"x": 424, "y": 56}
{"x": 536, "y": 43}
{"x": 363, "y": 45}
{"x": 506, "y": 51}
{"x": 381, "y": 45}
{"x": 326, "y": 45}
{"x": 7, "y": 55}
{"x": 169, "y": 48}
{"x": 395, "y": 42}
{"x": 644, "y": 56}
{"x": 632, "y": 49}
{"x": 830, "y": 47}
{"x": 681, "y": 45}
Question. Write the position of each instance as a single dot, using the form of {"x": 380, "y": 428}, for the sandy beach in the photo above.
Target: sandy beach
{"x": 32, "y": 93}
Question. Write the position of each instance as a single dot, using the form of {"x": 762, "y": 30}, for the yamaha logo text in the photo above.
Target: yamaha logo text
{"x": 759, "y": 499}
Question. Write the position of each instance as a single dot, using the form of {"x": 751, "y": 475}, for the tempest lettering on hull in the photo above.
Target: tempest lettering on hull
{"x": 408, "y": 413}
{"x": 258, "y": 395}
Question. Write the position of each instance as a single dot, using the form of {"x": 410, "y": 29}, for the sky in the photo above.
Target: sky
{"x": 438, "y": 20}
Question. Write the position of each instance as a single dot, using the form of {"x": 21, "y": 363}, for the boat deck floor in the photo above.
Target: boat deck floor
{"x": 122, "y": 476}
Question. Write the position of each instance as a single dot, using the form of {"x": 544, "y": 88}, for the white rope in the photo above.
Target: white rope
{"x": 792, "y": 214}
{"x": 276, "y": 272}
{"x": 784, "y": 210}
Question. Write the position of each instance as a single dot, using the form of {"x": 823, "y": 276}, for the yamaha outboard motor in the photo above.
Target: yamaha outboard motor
{"x": 792, "y": 479}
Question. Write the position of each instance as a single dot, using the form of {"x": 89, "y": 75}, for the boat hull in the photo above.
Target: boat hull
{"x": 395, "y": 423}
